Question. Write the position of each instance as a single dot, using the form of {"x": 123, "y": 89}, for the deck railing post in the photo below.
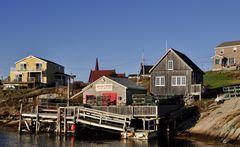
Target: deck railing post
{"x": 157, "y": 120}
{"x": 65, "y": 121}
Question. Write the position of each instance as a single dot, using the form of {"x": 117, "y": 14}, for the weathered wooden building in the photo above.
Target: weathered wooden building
{"x": 175, "y": 74}
{"x": 111, "y": 91}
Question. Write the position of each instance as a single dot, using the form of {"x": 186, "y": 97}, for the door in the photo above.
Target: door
{"x": 112, "y": 97}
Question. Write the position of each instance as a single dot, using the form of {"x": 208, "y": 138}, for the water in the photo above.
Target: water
{"x": 12, "y": 139}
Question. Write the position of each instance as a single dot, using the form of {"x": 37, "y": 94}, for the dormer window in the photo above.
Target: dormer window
{"x": 170, "y": 65}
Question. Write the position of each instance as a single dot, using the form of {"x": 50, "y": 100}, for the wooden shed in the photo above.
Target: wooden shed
{"x": 175, "y": 74}
{"x": 111, "y": 91}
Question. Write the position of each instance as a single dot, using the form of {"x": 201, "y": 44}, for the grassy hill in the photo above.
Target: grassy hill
{"x": 218, "y": 79}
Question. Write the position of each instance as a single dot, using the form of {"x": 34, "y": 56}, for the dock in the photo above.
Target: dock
{"x": 63, "y": 120}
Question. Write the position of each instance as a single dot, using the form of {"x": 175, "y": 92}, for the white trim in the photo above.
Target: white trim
{"x": 30, "y": 57}
{"x": 217, "y": 56}
{"x": 103, "y": 77}
{"x": 175, "y": 82}
{"x": 159, "y": 79}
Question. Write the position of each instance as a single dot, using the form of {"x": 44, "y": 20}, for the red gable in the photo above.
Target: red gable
{"x": 96, "y": 74}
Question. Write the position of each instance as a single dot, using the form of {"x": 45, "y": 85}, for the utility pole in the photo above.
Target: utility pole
{"x": 68, "y": 91}
{"x": 68, "y": 87}
{"x": 143, "y": 67}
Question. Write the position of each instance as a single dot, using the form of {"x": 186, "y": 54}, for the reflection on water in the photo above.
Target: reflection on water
{"x": 10, "y": 138}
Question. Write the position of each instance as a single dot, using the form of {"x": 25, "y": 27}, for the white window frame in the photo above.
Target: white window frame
{"x": 219, "y": 61}
{"x": 233, "y": 60}
{"x": 179, "y": 81}
{"x": 159, "y": 81}
{"x": 39, "y": 66}
{"x": 170, "y": 62}
{"x": 22, "y": 67}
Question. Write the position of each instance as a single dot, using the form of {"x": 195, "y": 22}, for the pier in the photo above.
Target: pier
{"x": 119, "y": 119}
{"x": 131, "y": 122}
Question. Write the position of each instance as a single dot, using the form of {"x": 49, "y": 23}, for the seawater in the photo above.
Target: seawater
{"x": 10, "y": 138}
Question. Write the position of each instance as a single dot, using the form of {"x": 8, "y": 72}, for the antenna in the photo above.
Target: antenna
{"x": 166, "y": 45}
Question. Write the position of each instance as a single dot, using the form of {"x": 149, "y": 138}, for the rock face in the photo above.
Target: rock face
{"x": 220, "y": 121}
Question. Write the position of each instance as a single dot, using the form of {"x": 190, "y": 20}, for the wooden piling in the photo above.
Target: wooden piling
{"x": 58, "y": 122}
{"x": 37, "y": 120}
{"x": 20, "y": 120}
{"x": 65, "y": 121}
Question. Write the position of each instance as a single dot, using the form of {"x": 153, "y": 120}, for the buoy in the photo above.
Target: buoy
{"x": 73, "y": 127}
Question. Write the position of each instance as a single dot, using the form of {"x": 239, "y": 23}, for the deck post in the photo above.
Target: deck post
{"x": 65, "y": 121}
{"x": 157, "y": 120}
{"x": 144, "y": 126}
{"x": 100, "y": 120}
{"x": 37, "y": 119}
{"x": 20, "y": 120}
{"x": 59, "y": 121}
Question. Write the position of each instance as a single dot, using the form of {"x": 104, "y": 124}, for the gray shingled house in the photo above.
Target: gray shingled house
{"x": 175, "y": 74}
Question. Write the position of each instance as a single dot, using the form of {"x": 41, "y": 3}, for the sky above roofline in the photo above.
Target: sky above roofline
{"x": 74, "y": 33}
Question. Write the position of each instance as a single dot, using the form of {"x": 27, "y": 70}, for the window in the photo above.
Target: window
{"x": 160, "y": 81}
{"x": 23, "y": 66}
{"x": 38, "y": 66}
{"x": 231, "y": 61}
{"x": 170, "y": 64}
{"x": 222, "y": 51}
{"x": 234, "y": 49}
{"x": 217, "y": 61}
{"x": 178, "y": 80}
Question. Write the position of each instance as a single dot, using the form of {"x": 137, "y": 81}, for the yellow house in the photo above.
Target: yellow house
{"x": 33, "y": 71}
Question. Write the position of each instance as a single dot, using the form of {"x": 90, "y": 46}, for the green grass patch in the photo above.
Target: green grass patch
{"x": 217, "y": 79}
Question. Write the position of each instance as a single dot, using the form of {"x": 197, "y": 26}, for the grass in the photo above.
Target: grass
{"x": 5, "y": 94}
{"x": 218, "y": 79}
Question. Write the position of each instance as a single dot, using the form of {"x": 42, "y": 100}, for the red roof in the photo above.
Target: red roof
{"x": 96, "y": 74}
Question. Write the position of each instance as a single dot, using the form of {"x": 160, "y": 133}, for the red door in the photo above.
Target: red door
{"x": 112, "y": 97}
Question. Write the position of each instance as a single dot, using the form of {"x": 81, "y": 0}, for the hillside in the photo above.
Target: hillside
{"x": 218, "y": 79}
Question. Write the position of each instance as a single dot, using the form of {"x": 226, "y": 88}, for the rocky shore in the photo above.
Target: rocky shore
{"x": 220, "y": 121}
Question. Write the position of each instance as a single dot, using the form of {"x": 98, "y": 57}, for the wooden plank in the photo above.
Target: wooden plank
{"x": 107, "y": 119}
{"x": 27, "y": 125}
{"x": 100, "y": 125}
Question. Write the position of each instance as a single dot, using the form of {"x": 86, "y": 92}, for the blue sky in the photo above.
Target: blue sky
{"x": 74, "y": 32}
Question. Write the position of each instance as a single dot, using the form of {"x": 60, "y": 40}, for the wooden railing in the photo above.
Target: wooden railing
{"x": 135, "y": 111}
{"x": 196, "y": 89}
